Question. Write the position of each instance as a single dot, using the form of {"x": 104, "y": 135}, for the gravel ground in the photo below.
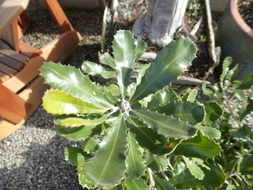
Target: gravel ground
{"x": 32, "y": 158}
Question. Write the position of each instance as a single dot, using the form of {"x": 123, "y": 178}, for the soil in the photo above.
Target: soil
{"x": 246, "y": 11}
{"x": 38, "y": 35}
{"x": 195, "y": 10}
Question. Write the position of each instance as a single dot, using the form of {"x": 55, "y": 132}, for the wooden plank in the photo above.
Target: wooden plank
{"x": 11, "y": 35}
{"x": 58, "y": 49}
{"x": 12, "y": 107}
{"x": 14, "y": 55}
{"x": 32, "y": 95}
{"x": 11, "y": 62}
{"x": 58, "y": 15}
{"x": 4, "y": 45}
{"x": 9, "y": 11}
{"x": 61, "y": 46}
{"x": 29, "y": 50}
{"x": 3, "y": 77}
{"x": 7, "y": 70}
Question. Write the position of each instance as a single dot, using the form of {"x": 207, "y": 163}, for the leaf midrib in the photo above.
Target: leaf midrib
{"x": 79, "y": 106}
{"x": 165, "y": 68}
{"x": 109, "y": 157}
{"x": 150, "y": 118}
{"x": 81, "y": 89}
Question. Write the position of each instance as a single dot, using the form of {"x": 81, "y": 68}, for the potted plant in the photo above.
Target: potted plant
{"x": 235, "y": 37}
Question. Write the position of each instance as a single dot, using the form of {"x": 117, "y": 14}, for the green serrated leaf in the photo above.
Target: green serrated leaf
{"x": 71, "y": 80}
{"x": 146, "y": 137}
{"x": 199, "y": 146}
{"x": 185, "y": 111}
{"x": 107, "y": 59}
{"x": 114, "y": 89}
{"x": 137, "y": 75}
{"x": 140, "y": 48}
{"x": 83, "y": 181}
{"x": 134, "y": 161}
{"x": 89, "y": 145}
{"x": 210, "y": 132}
{"x": 248, "y": 109}
{"x": 75, "y": 134}
{"x": 165, "y": 125}
{"x": 161, "y": 184}
{"x": 213, "y": 112}
{"x": 97, "y": 70}
{"x": 124, "y": 57}
{"x": 78, "y": 122}
{"x": 192, "y": 95}
{"x": 194, "y": 168}
{"x": 172, "y": 61}
{"x": 58, "y": 102}
{"x": 158, "y": 163}
{"x": 214, "y": 178}
{"x": 137, "y": 184}
{"x": 160, "y": 98}
{"x": 74, "y": 156}
{"x": 225, "y": 67}
{"x": 107, "y": 167}
{"x": 247, "y": 82}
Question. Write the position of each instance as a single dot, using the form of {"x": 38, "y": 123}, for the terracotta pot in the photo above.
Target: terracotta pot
{"x": 235, "y": 38}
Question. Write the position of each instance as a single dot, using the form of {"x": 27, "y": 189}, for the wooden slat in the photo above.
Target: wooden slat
{"x": 7, "y": 70}
{"x": 11, "y": 62}
{"x": 3, "y": 77}
{"x": 12, "y": 107}
{"x": 61, "y": 46}
{"x": 56, "y": 50}
{"x": 29, "y": 50}
{"x": 59, "y": 15}
{"x": 14, "y": 55}
{"x": 3, "y": 45}
{"x": 32, "y": 95}
{"x": 11, "y": 35}
{"x": 9, "y": 11}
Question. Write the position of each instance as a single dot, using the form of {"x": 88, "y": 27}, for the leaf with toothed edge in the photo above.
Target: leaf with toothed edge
{"x": 172, "y": 61}
{"x": 194, "y": 168}
{"x": 107, "y": 59}
{"x": 58, "y": 102}
{"x": 199, "y": 146}
{"x": 71, "y": 80}
{"x": 137, "y": 184}
{"x": 161, "y": 184}
{"x": 78, "y": 121}
{"x": 124, "y": 57}
{"x": 95, "y": 69}
{"x": 75, "y": 134}
{"x": 140, "y": 48}
{"x": 134, "y": 161}
{"x": 160, "y": 98}
{"x": 185, "y": 111}
{"x": 165, "y": 125}
{"x": 146, "y": 137}
{"x": 77, "y": 157}
{"x": 107, "y": 167}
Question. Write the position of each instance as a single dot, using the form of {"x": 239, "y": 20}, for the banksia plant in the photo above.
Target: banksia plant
{"x": 132, "y": 125}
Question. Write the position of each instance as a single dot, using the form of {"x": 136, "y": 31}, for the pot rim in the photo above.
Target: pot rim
{"x": 239, "y": 20}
